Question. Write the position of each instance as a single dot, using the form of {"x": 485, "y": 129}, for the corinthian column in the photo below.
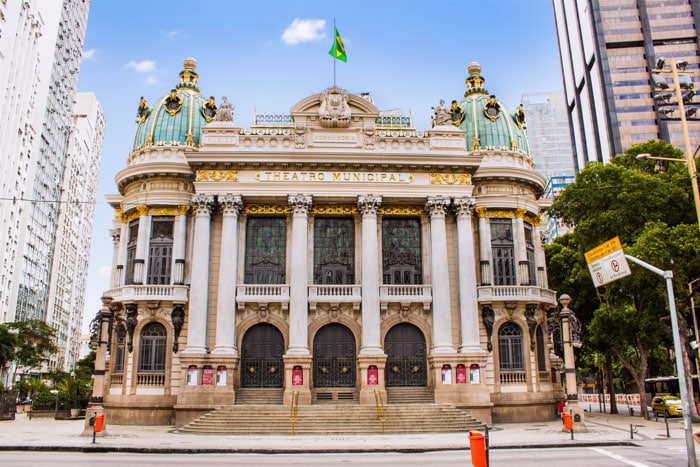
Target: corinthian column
{"x": 369, "y": 206}
{"x": 226, "y": 306}
{"x": 299, "y": 282}
{"x": 468, "y": 305}
{"x": 199, "y": 285}
{"x": 442, "y": 324}
{"x": 115, "y": 276}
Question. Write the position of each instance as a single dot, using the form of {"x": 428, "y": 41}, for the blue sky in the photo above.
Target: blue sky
{"x": 266, "y": 55}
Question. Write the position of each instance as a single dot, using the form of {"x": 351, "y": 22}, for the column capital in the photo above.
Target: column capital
{"x": 463, "y": 206}
{"x": 202, "y": 204}
{"x": 300, "y": 203}
{"x": 369, "y": 204}
{"x": 437, "y": 206}
{"x": 230, "y": 203}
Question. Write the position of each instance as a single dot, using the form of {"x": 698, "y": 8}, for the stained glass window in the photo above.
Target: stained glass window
{"x": 401, "y": 251}
{"x": 334, "y": 250}
{"x": 265, "y": 250}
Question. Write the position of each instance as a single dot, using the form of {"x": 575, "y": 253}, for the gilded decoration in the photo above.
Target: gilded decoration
{"x": 173, "y": 103}
{"x": 142, "y": 111}
{"x": 257, "y": 209}
{"x": 401, "y": 210}
{"x": 520, "y": 213}
{"x": 209, "y": 109}
{"x": 164, "y": 211}
{"x": 492, "y": 109}
{"x": 216, "y": 176}
{"x": 450, "y": 179}
{"x": 350, "y": 210}
{"x": 476, "y": 144}
{"x": 183, "y": 210}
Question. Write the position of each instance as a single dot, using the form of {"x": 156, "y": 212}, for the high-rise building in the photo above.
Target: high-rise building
{"x": 548, "y": 134}
{"x": 608, "y": 49}
{"x": 41, "y": 44}
{"x": 74, "y": 230}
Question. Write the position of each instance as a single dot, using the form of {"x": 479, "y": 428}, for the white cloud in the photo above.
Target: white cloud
{"x": 144, "y": 66}
{"x": 304, "y": 30}
{"x": 172, "y": 34}
{"x": 89, "y": 54}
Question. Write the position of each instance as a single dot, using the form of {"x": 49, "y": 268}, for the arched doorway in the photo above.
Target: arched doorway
{"x": 334, "y": 357}
{"x": 261, "y": 357}
{"x": 406, "y": 363}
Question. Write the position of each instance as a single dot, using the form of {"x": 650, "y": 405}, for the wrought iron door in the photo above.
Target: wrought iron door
{"x": 334, "y": 357}
{"x": 261, "y": 357}
{"x": 406, "y": 363}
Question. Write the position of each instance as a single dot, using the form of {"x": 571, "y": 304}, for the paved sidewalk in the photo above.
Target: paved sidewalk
{"x": 65, "y": 435}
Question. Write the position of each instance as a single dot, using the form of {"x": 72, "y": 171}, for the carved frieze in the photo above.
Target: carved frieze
{"x": 450, "y": 179}
{"x": 216, "y": 176}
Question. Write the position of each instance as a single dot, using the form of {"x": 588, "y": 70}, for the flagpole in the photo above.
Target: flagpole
{"x": 334, "y": 59}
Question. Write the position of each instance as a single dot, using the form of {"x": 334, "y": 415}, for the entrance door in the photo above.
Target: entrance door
{"x": 334, "y": 357}
{"x": 406, "y": 358}
{"x": 261, "y": 357}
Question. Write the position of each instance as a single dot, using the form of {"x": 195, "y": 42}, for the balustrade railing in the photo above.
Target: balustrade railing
{"x": 513, "y": 377}
{"x": 116, "y": 380}
{"x": 150, "y": 379}
{"x": 149, "y": 292}
{"x": 516, "y": 292}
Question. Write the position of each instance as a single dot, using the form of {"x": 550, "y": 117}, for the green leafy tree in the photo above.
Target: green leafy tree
{"x": 35, "y": 343}
{"x": 649, "y": 205}
{"x": 8, "y": 342}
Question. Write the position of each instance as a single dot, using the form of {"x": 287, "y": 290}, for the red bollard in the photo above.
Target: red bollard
{"x": 477, "y": 446}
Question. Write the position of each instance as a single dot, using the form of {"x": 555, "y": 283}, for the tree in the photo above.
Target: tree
{"x": 648, "y": 205}
{"x": 34, "y": 343}
{"x": 8, "y": 342}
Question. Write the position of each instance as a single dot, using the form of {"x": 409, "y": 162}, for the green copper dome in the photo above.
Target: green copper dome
{"x": 486, "y": 121}
{"x": 177, "y": 118}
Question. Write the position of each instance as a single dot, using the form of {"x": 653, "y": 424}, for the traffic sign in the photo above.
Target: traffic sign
{"x": 607, "y": 262}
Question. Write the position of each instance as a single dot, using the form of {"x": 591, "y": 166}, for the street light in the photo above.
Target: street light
{"x": 681, "y": 82}
{"x": 692, "y": 170}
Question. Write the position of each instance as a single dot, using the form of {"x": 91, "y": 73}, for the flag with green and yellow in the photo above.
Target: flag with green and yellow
{"x": 338, "y": 49}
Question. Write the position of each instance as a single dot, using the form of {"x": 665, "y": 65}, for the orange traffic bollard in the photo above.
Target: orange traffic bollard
{"x": 567, "y": 421}
{"x": 477, "y": 446}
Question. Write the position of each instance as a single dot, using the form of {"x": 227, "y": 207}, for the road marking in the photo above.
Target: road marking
{"x": 619, "y": 458}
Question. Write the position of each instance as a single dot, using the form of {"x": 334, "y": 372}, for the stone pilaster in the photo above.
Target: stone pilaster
{"x": 299, "y": 280}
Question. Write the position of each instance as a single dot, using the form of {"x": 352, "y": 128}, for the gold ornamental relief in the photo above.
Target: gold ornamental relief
{"x": 450, "y": 179}
{"x": 401, "y": 210}
{"x": 500, "y": 213}
{"x": 216, "y": 176}
{"x": 520, "y": 213}
{"x": 349, "y": 210}
{"x": 266, "y": 209}
{"x": 534, "y": 220}
{"x": 164, "y": 211}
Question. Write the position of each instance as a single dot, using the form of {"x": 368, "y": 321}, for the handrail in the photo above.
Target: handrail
{"x": 295, "y": 410}
{"x": 381, "y": 411}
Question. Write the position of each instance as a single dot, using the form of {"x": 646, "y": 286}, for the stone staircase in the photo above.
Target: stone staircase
{"x": 333, "y": 419}
{"x": 409, "y": 395}
{"x": 259, "y": 396}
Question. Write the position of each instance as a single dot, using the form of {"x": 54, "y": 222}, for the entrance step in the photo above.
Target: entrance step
{"x": 409, "y": 395}
{"x": 335, "y": 396}
{"x": 334, "y": 419}
{"x": 259, "y": 396}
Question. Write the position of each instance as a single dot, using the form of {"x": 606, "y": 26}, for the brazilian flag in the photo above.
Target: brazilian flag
{"x": 338, "y": 49}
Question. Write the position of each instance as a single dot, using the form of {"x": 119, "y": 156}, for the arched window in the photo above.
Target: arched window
{"x": 510, "y": 348}
{"x": 152, "y": 348}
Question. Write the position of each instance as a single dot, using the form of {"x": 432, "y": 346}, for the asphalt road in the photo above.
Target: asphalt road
{"x": 670, "y": 456}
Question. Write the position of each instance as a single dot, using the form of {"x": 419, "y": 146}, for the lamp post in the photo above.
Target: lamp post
{"x": 659, "y": 82}
{"x": 692, "y": 287}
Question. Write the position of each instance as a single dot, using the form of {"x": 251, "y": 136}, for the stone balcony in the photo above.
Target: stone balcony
{"x": 516, "y": 293}
{"x": 335, "y": 294}
{"x": 405, "y": 295}
{"x": 262, "y": 293}
{"x": 149, "y": 293}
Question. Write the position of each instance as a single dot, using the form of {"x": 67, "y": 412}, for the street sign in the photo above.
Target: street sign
{"x": 607, "y": 262}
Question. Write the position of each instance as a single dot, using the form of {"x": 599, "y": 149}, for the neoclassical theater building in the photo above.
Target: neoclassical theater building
{"x": 332, "y": 255}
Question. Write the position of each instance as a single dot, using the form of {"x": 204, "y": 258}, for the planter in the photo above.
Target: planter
{"x": 74, "y": 413}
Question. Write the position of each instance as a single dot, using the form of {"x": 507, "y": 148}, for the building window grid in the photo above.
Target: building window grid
{"x": 131, "y": 251}
{"x": 160, "y": 251}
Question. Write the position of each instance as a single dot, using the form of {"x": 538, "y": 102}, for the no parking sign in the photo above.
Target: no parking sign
{"x": 607, "y": 262}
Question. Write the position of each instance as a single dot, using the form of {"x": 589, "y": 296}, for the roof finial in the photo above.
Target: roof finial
{"x": 475, "y": 82}
{"x": 189, "y": 77}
